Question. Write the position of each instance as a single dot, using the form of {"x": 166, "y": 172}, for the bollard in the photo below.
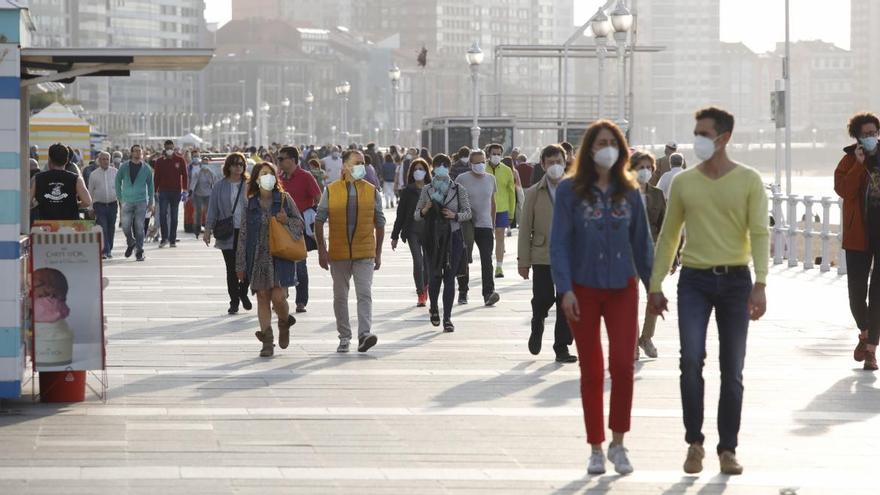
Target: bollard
{"x": 826, "y": 234}
{"x": 792, "y": 231}
{"x": 778, "y": 230}
{"x": 808, "y": 233}
{"x": 841, "y": 255}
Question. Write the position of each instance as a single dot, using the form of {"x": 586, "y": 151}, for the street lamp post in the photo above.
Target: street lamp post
{"x": 394, "y": 76}
{"x": 285, "y": 103}
{"x": 621, "y": 20}
{"x": 475, "y": 58}
{"x": 264, "y": 124}
{"x": 601, "y": 27}
{"x": 226, "y": 122}
{"x": 344, "y": 89}
{"x": 249, "y": 114}
{"x": 310, "y": 99}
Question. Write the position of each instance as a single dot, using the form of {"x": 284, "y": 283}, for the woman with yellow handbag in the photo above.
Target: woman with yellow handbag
{"x": 270, "y": 240}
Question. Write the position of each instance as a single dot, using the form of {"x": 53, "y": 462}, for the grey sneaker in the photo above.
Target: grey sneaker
{"x": 617, "y": 456}
{"x": 343, "y": 346}
{"x": 366, "y": 342}
{"x": 492, "y": 298}
{"x": 597, "y": 463}
{"x": 648, "y": 346}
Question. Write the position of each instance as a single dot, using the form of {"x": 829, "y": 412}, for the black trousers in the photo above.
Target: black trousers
{"x": 543, "y": 298}
{"x": 235, "y": 288}
{"x": 864, "y": 298}
{"x": 484, "y": 238}
{"x": 447, "y": 277}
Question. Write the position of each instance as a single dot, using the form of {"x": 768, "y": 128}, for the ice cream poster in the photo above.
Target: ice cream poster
{"x": 67, "y": 301}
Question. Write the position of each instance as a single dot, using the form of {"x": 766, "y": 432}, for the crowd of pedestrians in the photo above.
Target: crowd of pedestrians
{"x": 598, "y": 225}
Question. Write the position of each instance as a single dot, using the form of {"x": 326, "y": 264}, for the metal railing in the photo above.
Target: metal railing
{"x": 788, "y": 232}
{"x": 546, "y": 105}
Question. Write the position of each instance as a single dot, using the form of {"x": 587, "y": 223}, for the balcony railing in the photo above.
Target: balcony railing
{"x": 797, "y": 242}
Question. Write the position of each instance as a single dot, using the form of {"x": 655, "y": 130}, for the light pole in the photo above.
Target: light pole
{"x": 342, "y": 90}
{"x": 285, "y": 103}
{"x": 226, "y": 121}
{"x": 475, "y": 58}
{"x": 621, "y": 20}
{"x": 394, "y": 76}
{"x": 237, "y": 120}
{"x": 333, "y": 133}
{"x": 761, "y": 138}
{"x": 601, "y": 27}
{"x": 814, "y": 137}
{"x": 249, "y": 114}
{"x": 264, "y": 123}
{"x": 310, "y": 99}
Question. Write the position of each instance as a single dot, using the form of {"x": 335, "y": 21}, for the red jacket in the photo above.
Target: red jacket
{"x": 851, "y": 184}
{"x": 169, "y": 174}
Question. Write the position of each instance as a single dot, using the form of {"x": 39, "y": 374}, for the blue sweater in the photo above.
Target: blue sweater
{"x": 601, "y": 246}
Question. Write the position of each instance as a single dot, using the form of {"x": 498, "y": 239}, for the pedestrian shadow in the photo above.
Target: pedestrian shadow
{"x": 559, "y": 394}
{"x": 715, "y": 486}
{"x": 603, "y": 485}
{"x": 851, "y": 399}
{"x": 502, "y": 385}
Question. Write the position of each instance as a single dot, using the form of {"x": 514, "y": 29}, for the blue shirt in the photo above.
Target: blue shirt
{"x": 601, "y": 245}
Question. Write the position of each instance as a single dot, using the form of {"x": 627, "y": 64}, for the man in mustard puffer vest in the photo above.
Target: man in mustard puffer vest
{"x": 353, "y": 208}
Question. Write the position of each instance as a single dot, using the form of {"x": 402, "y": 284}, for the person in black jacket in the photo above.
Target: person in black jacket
{"x": 412, "y": 231}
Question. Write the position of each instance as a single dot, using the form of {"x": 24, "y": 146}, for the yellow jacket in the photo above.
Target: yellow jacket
{"x": 363, "y": 240}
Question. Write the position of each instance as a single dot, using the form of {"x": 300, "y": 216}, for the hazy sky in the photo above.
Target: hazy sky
{"x": 758, "y": 23}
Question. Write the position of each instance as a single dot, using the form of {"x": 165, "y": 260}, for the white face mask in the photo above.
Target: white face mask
{"x": 495, "y": 159}
{"x": 358, "y": 172}
{"x": 169, "y": 152}
{"x": 555, "y": 171}
{"x": 869, "y": 143}
{"x": 419, "y": 175}
{"x": 606, "y": 157}
{"x": 197, "y": 159}
{"x": 463, "y": 160}
{"x": 479, "y": 168}
{"x": 117, "y": 161}
{"x": 643, "y": 176}
{"x": 407, "y": 157}
{"x": 267, "y": 182}
{"x": 704, "y": 147}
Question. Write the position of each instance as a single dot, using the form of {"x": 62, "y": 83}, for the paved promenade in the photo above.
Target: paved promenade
{"x": 193, "y": 410}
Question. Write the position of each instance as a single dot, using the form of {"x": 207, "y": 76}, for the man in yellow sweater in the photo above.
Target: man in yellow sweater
{"x": 723, "y": 206}
{"x": 505, "y": 200}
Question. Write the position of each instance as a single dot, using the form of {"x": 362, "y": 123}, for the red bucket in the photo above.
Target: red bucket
{"x": 62, "y": 386}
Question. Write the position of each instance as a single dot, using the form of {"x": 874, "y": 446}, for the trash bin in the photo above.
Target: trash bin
{"x": 62, "y": 386}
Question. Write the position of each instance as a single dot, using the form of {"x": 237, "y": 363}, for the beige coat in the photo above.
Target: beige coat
{"x": 534, "y": 226}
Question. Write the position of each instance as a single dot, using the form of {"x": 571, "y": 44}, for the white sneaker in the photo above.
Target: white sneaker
{"x": 597, "y": 463}
{"x": 343, "y": 346}
{"x": 617, "y": 456}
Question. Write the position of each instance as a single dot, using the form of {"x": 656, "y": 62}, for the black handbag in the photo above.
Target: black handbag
{"x": 225, "y": 227}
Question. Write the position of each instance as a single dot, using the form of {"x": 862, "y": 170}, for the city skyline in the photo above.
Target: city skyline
{"x": 757, "y": 23}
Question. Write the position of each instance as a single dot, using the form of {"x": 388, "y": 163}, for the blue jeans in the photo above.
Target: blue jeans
{"x": 105, "y": 217}
{"x": 169, "y": 202}
{"x": 699, "y": 291}
{"x": 302, "y": 283}
{"x": 133, "y": 215}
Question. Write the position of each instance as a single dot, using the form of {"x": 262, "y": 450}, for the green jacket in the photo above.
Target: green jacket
{"x": 141, "y": 190}
{"x": 505, "y": 193}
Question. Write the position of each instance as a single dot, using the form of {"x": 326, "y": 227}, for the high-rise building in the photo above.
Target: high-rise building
{"x": 321, "y": 14}
{"x": 125, "y": 24}
{"x": 864, "y": 39}
{"x": 672, "y": 84}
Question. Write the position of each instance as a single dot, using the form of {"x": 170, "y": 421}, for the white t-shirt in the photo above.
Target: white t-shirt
{"x": 665, "y": 181}
{"x": 333, "y": 168}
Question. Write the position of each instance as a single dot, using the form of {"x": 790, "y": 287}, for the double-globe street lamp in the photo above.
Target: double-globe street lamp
{"x": 474, "y": 59}
{"x": 621, "y": 20}
{"x": 394, "y": 76}
{"x": 601, "y": 27}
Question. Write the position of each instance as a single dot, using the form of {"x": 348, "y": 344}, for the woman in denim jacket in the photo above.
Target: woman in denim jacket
{"x": 269, "y": 277}
{"x": 601, "y": 246}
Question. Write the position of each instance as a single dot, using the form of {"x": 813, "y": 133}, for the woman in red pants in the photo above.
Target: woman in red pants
{"x": 601, "y": 246}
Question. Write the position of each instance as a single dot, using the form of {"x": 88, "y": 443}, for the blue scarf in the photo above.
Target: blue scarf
{"x": 440, "y": 186}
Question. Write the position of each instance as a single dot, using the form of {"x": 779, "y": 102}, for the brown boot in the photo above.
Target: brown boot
{"x": 284, "y": 331}
{"x": 268, "y": 339}
{"x": 861, "y": 349}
